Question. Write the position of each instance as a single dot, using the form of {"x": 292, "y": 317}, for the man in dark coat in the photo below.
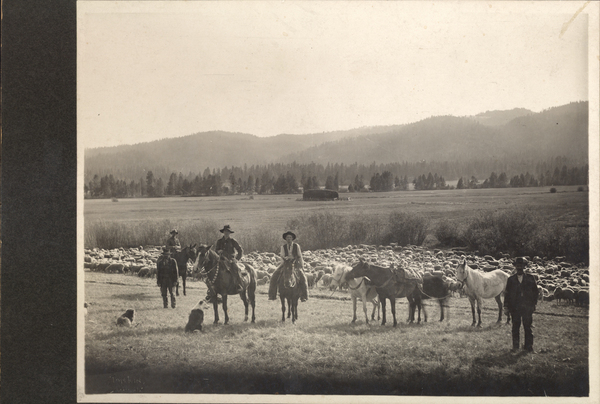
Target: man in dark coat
{"x": 227, "y": 247}
{"x": 520, "y": 300}
{"x": 167, "y": 276}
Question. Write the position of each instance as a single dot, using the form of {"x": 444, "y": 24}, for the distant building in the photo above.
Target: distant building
{"x": 320, "y": 195}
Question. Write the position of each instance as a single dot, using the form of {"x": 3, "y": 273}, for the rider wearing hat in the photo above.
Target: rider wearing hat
{"x": 520, "y": 300}
{"x": 166, "y": 276}
{"x": 226, "y": 247}
{"x": 291, "y": 254}
{"x": 173, "y": 242}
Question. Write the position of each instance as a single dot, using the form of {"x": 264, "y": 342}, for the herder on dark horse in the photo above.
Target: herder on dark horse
{"x": 291, "y": 254}
{"x": 173, "y": 242}
{"x": 226, "y": 247}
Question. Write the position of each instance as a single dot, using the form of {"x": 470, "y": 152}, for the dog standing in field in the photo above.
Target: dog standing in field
{"x": 126, "y": 319}
{"x": 196, "y": 318}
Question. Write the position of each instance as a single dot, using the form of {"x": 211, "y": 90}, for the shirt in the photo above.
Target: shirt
{"x": 229, "y": 246}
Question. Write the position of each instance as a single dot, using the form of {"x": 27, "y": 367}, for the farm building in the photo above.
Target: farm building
{"x": 320, "y": 195}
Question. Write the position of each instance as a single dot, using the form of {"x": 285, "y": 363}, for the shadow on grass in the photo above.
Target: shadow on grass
{"x": 476, "y": 381}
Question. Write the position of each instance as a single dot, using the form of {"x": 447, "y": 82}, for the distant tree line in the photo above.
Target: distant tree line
{"x": 211, "y": 183}
{"x": 564, "y": 176}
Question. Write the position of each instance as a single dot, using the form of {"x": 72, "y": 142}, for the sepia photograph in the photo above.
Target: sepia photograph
{"x": 349, "y": 201}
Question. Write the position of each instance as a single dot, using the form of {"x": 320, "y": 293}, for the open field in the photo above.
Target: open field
{"x": 322, "y": 353}
{"x": 566, "y": 206}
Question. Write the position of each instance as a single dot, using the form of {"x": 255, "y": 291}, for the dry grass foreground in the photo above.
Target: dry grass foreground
{"x": 322, "y": 353}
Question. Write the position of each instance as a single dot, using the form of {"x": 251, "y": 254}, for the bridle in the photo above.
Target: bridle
{"x": 204, "y": 271}
{"x": 463, "y": 281}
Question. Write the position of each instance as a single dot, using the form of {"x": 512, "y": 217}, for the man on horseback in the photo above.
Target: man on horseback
{"x": 226, "y": 247}
{"x": 166, "y": 276}
{"x": 173, "y": 242}
{"x": 520, "y": 300}
{"x": 291, "y": 255}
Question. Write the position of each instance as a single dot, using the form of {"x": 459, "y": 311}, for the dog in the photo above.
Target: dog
{"x": 126, "y": 318}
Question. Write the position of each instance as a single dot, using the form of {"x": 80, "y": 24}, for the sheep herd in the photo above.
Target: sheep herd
{"x": 557, "y": 280}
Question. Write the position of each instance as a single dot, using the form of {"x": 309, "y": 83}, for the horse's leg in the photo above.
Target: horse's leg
{"x": 353, "y": 309}
{"x": 177, "y": 288}
{"x": 294, "y": 309}
{"x": 282, "y": 308}
{"x": 245, "y": 300}
{"x": 479, "y": 304}
{"x": 499, "y": 301}
{"x": 183, "y": 280}
{"x": 252, "y": 298}
{"x": 225, "y": 309}
{"x": 216, "y": 308}
{"x": 383, "y": 310}
{"x": 364, "y": 303}
{"x": 393, "y": 304}
{"x": 472, "y": 301}
{"x": 441, "y": 303}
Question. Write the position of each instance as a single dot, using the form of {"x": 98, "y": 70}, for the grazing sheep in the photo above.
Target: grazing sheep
{"x": 558, "y": 294}
{"x": 568, "y": 294}
{"x": 195, "y": 319}
{"x": 582, "y": 298}
{"x": 326, "y": 280}
{"x": 126, "y": 318}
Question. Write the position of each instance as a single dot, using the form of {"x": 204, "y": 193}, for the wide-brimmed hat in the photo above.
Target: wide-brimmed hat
{"x": 174, "y": 231}
{"x": 289, "y": 233}
{"x": 226, "y": 227}
{"x": 520, "y": 261}
{"x": 166, "y": 251}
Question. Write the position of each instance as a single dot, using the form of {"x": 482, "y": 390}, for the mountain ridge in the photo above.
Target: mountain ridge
{"x": 557, "y": 131}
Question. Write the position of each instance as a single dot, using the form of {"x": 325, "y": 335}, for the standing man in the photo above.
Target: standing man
{"x": 520, "y": 300}
{"x": 226, "y": 247}
{"x": 291, "y": 254}
{"x": 173, "y": 242}
{"x": 166, "y": 276}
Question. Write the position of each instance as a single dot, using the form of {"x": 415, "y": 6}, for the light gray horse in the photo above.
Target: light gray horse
{"x": 482, "y": 285}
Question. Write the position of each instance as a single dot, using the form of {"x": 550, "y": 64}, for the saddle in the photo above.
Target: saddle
{"x": 407, "y": 274}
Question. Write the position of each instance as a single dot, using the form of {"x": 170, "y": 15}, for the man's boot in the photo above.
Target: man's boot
{"x": 239, "y": 287}
{"x": 173, "y": 302}
{"x": 273, "y": 287}
{"x": 165, "y": 302}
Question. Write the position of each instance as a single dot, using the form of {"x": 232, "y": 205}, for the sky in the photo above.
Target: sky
{"x": 154, "y": 70}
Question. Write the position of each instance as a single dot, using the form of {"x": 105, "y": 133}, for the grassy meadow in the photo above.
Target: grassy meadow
{"x": 519, "y": 221}
{"x": 322, "y": 353}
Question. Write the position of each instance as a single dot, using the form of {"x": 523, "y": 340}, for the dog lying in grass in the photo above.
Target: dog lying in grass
{"x": 126, "y": 319}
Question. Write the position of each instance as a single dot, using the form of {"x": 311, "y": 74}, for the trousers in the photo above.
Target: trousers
{"x": 522, "y": 315}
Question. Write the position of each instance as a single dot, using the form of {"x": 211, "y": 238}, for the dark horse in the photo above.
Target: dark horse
{"x": 389, "y": 283}
{"x": 219, "y": 281}
{"x": 433, "y": 288}
{"x": 289, "y": 289}
{"x": 182, "y": 257}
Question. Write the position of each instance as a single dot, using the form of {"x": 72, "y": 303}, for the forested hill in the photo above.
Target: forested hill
{"x": 559, "y": 131}
{"x": 498, "y": 118}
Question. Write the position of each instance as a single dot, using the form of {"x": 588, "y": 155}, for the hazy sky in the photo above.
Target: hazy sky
{"x": 152, "y": 70}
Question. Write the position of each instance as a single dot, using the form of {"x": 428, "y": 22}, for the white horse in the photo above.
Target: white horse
{"x": 482, "y": 285}
{"x": 358, "y": 290}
